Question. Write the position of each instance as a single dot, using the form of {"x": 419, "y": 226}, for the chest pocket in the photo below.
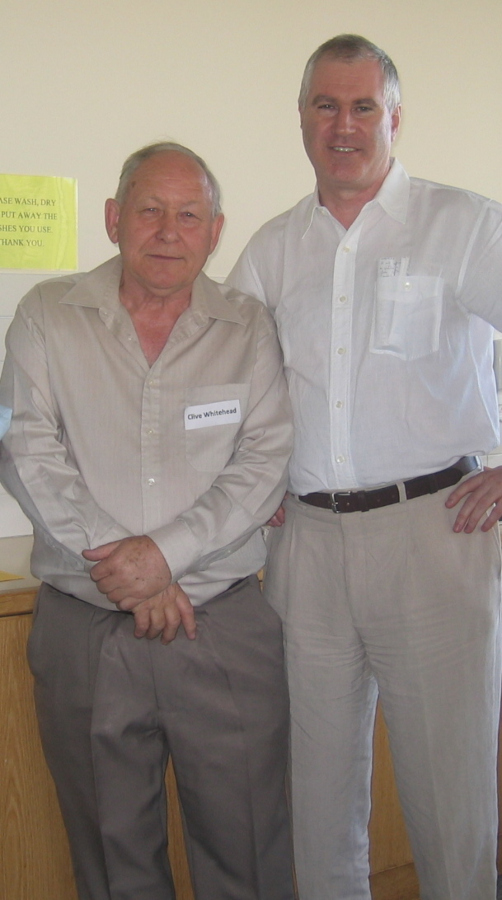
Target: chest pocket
{"x": 210, "y": 446}
{"x": 407, "y": 315}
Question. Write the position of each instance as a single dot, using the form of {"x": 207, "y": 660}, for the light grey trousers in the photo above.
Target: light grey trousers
{"x": 112, "y": 709}
{"x": 392, "y": 602}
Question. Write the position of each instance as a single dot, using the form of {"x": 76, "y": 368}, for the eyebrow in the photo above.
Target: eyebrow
{"x": 152, "y": 198}
{"x": 325, "y": 98}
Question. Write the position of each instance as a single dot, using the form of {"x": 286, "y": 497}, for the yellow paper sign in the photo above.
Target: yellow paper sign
{"x": 38, "y": 222}
{"x": 8, "y": 576}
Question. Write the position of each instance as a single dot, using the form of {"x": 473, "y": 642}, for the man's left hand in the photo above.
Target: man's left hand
{"x": 164, "y": 614}
{"x": 484, "y": 494}
{"x": 133, "y": 567}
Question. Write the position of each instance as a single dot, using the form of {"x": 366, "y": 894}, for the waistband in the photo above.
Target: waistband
{"x": 362, "y": 501}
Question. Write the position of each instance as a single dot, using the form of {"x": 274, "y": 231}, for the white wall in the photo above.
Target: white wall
{"x": 86, "y": 82}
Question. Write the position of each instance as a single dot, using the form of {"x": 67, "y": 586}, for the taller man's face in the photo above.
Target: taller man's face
{"x": 347, "y": 128}
{"x": 164, "y": 228}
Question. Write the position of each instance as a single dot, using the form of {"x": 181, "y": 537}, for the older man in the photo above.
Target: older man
{"x": 151, "y": 423}
{"x": 382, "y": 287}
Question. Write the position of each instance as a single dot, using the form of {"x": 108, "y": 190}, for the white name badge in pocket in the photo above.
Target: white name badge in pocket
{"x": 224, "y": 412}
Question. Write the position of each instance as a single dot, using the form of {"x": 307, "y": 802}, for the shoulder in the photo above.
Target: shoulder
{"x": 51, "y": 289}
{"x": 274, "y": 232}
{"x": 227, "y": 302}
{"x": 81, "y": 288}
{"x": 451, "y": 198}
{"x": 259, "y": 269}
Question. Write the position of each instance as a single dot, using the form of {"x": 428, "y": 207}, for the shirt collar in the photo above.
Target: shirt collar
{"x": 394, "y": 194}
{"x": 393, "y": 197}
{"x": 313, "y": 208}
{"x": 213, "y": 301}
{"x": 99, "y": 289}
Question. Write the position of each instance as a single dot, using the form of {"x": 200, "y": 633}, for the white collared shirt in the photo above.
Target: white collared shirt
{"x": 384, "y": 329}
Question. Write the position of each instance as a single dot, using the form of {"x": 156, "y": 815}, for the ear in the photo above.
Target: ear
{"x": 216, "y": 227}
{"x": 112, "y": 213}
{"x": 395, "y": 122}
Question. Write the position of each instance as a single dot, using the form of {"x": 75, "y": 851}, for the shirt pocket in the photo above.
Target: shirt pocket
{"x": 407, "y": 315}
{"x": 210, "y": 446}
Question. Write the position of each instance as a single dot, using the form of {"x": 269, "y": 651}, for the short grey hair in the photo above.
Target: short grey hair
{"x": 135, "y": 159}
{"x": 350, "y": 47}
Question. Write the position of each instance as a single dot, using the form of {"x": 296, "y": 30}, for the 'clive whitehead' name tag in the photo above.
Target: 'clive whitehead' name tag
{"x": 222, "y": 413}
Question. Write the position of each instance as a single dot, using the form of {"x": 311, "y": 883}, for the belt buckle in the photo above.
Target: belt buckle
{"x": 334, "y": 500}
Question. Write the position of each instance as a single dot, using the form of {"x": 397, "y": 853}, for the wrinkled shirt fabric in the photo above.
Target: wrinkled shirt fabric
{"x": 98, "y": 448}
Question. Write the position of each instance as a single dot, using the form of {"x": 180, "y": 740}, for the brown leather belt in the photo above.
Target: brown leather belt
{"x": 362, "y": 501}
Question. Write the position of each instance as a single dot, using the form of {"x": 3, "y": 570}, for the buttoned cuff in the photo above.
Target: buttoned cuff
{"x": 179, "y": 546}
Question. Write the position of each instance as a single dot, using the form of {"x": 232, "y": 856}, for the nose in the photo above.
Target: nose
{"x": 344, "y": 121}
{"x": 168, "y": 226}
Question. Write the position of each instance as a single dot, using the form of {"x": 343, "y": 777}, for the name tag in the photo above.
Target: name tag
{"x": 389, "y": 267}
{"x": 223, "y": 412}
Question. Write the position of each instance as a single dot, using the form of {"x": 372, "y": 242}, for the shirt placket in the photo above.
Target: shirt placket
{"x": 342, "y": 307}
{"x": 151, "y": 472}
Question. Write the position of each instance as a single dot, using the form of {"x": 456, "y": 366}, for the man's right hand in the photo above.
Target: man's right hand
{"x": 163, "y": 614}
{"x": 132, "y": 569}
{"x": 278, "y": 518}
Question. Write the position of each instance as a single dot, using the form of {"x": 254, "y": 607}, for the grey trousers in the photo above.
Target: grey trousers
{"x": 391, "y": 602}
{"x": 112, "y": 709}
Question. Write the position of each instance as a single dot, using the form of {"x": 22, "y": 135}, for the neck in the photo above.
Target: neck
{"x": 154, "y": 318}
{"x": 344, "y": 211}
{"x": 345, "y": 204}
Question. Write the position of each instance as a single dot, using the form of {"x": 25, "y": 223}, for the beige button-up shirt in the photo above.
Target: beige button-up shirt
{"x": 192, "y": 451}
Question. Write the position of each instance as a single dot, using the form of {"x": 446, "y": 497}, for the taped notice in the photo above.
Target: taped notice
{"x": 38, "y": 222}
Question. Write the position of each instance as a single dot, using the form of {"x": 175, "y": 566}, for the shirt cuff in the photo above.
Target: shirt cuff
{"x": 179, "y": 547}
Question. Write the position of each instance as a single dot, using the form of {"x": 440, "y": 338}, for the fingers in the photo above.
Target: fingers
{"x": 141, "y": 620}
{"x": 493, "y": 518}
{"x": 131, "y": 568}
{"x": 482, "y": 495}
{"x": 278, "y": 519}
{"x": 186, "y": 612}
{"x": 128, "y": 604}
{"x": 100, "y": 552}
{"x": 465, "y": 488}
{"x": 163, "y": 614}
{"x": 150, "y": 622}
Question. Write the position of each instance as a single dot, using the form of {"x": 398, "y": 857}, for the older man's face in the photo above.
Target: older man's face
{"x": 347, "y": 128}
{"x": 164, "y": 228}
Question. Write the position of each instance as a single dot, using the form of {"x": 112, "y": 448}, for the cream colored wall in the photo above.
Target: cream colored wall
{"x": 85, "y": 83}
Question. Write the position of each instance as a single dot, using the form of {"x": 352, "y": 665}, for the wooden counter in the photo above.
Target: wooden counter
{"x": 34, "y": 856}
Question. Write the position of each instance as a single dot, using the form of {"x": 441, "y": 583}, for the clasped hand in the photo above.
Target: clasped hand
{"x": 135, "y": 576}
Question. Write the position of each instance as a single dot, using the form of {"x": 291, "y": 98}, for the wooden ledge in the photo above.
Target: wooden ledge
{"x": 17, "y": 603}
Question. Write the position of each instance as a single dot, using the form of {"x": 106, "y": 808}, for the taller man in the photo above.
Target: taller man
{"x": 382, "y": 287}
{"x": 151, "y": 422}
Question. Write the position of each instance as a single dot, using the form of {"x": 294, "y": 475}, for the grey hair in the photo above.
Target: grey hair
{"x": 349, "y": 47}
{"x": 135, "y": 159}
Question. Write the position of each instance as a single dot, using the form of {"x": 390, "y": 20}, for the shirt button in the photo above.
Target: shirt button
{"x": 343, "y": 299}
{"x": 339, "y": 404}
{"x": 151, "y": 481}
{"x": 150, "y": 431}
{"x": 341, "y": 351}
{"x": 340, "y": 459}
